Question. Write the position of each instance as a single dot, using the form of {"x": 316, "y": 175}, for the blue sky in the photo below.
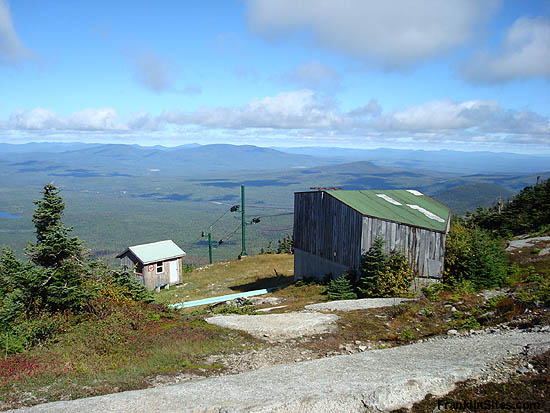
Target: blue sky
{"x": 456, "y": 74}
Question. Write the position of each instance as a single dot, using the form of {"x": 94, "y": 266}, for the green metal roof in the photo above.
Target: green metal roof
{"x": 155, "y": 251}
{"x": 407, "y": 206}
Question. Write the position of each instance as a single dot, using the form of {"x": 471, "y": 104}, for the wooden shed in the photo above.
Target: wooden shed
{"x": 155, "y": 265}
{"x": 332, "y": 229}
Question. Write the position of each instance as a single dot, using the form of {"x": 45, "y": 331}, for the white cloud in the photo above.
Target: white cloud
{"x": 158, "y": 73}
{"x": 312, "y": 75}
{"x": 12, "y": 50}
{"x": 524, "y": 53}
{"x": 449, "y": 116}
{"x": 154, "y": 72}
{"x": 39, "y": 119}
{"x": 94, "y": 119}
{"x": 394, "y": 34}
{"x": 303, "y": 117}
{"x": 287, "y": 110}
{"x": 370, "y": 109}
{"x": 102, "y": 119}
{"x": 143, "y": 121}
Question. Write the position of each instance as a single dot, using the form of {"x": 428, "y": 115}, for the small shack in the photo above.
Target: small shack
{"x": 332, "y": 229}
{"x": 155, "y": 265}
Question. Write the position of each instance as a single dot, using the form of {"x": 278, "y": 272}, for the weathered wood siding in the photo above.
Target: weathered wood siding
{"x": 424, "y": 248}
{"x": 150, "y": 278}
{"x": 327, "y": 228}
{"x": 128, "y": 261}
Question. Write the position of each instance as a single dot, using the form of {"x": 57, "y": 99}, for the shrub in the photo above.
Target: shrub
{"x": 341, "y": 288}
{"x": 285, "y": 245}
{"x": 188, "y": 268}
{"x": 29, "y": 331}
{"x": 384, "y": 275}
{"x": 235, "y": 309}
{"x": 533, "y": 276}
{"x": 465, "y": 323}
{"x": 492, "y": 303}
{"x": 431, "y": 292}
{"x": 539, "y": 295}
{"x": 473, "y": 255}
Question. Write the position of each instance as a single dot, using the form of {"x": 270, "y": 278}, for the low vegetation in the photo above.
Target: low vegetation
{"x": 253, "y": 272}
{"x": 122, "y": 347}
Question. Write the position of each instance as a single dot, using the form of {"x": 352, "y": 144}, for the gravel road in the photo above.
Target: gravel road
{"x": 382, "y": 379}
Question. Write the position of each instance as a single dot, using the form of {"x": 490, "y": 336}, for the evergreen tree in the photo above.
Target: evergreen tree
{"x": 341, "y": 288}
{"x": 60, "y": 256}
{"x": 21, "y": 286}
{"x": 53, "y": 243}
{"x": 526, "y": 212}
{"x": 384, "y": 275}
{"x": 372, "y": 266}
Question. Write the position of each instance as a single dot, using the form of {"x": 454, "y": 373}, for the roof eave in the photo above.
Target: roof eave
{"x": 162, "y": 259}
{"x": 122, "y": 253}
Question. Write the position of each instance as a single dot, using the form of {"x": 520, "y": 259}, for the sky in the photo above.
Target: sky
{"x": 421, "y": 74}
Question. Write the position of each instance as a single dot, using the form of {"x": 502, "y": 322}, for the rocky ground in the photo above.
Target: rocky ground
{"x": 294, "y": 371}
{"x": 381, "y": 379}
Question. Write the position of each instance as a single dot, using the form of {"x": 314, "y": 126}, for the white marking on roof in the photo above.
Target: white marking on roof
{"x": 414, "y": 192}
{"x": 389, "y": 199}
{"x": 429, "y": 214}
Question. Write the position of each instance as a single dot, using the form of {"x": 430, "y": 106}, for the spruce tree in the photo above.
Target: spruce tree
{"x": 59, "y": 255}
{"x": 53, "y": 243}
{"x": 372, "y": 265}
{"x": 341, "y": 288}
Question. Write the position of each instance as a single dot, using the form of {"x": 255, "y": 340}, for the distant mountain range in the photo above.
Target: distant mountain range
{"x": 198, "y": 159}
{"x": 138, "y": 160}
{"x": 441, "y": 160}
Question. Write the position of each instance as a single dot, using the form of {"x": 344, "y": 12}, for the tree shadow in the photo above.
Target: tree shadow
{"x": 276, "y": 281}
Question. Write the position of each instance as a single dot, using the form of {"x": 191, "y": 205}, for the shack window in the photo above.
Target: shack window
{"x": 138, "y": 268}
{"x": 159, "y": 267}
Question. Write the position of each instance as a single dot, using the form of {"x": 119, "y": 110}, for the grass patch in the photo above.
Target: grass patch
{"x": 251, "y": 273}
{"x": 296, "y": 296}
{"x": 119, "y": 352}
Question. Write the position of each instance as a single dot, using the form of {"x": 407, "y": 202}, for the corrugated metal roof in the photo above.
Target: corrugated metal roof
{"x": 155, "y": 251}
{"x": 408, "y": 206}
